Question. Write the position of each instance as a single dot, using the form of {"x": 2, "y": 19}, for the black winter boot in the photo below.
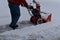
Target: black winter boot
{"x": 13, "y": 27}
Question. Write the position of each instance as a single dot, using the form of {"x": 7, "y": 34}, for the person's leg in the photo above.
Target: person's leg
{"x": 15, "y": 13}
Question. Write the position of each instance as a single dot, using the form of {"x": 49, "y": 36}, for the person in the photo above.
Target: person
{"x": 15, "y": 11}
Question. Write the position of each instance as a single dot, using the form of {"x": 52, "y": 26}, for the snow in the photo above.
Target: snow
{"x": 46, "y": 31}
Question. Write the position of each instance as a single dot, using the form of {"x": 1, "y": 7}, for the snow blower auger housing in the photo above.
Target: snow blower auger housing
{"x": 38, "y": 20}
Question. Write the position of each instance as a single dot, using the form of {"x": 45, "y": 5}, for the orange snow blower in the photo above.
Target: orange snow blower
{"x": 38, "y": 17}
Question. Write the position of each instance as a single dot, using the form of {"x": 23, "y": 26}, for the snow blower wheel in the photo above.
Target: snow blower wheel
{"x": 35, "y": 20}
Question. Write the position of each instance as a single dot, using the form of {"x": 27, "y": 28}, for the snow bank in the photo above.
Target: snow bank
{"x": 48, "y": 31}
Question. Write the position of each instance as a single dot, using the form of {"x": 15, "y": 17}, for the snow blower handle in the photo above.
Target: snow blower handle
{"x": 29, "y": 12}
{"x": 29, "y": 9}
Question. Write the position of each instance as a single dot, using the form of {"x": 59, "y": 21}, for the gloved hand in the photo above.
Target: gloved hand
{"x": 28, "y": 6}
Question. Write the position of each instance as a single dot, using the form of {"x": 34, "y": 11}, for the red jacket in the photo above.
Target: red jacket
{"x": 19, "y": 2}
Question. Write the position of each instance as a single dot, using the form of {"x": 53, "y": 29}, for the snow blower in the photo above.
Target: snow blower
{"x": 38, "y": 17}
